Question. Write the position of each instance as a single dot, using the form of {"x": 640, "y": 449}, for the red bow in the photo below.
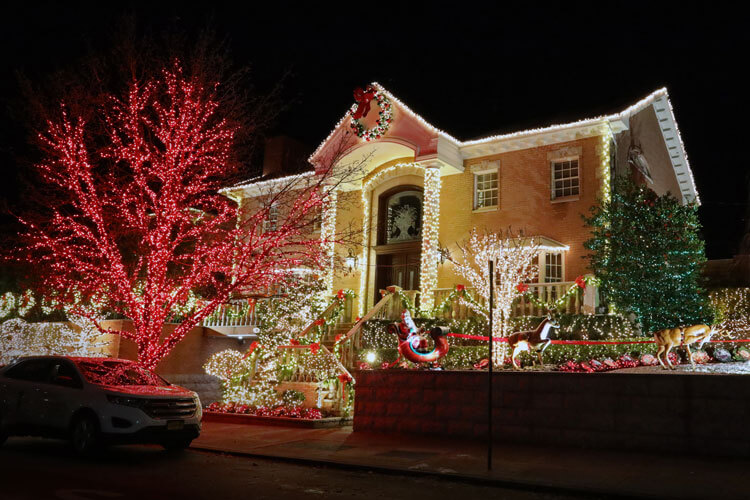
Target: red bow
{"x": 522, "y": 287}
{"x": 581, "y": 282}
{"x": 314, "y": 347}
{"x": 340, "y": 294}
{"x": 460, "y": 288}
{"x": 294, "y": 342}
{"x": 250, "y": 350}
{"x": 319, "y": 322}
{"x": 363, "y": 98}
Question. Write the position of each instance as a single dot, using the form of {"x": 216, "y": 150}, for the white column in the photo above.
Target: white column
{"x": 430, "y": 226}
{"x": 327, "y": 236}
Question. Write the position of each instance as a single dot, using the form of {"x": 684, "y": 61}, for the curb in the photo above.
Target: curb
{"x": 540, "y": 486}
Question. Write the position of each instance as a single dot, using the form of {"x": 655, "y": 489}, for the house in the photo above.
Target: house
{"x": 419, "y": 190}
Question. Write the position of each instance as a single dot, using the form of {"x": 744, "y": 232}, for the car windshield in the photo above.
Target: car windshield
{"x": 110, "y": 372}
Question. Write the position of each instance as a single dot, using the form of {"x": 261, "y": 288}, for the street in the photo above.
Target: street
{"x": 46, "y": 469}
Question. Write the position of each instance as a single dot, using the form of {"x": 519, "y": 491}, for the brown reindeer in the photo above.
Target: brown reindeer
{"x": 672, "y": 337}
{"x": 537, "y": 339}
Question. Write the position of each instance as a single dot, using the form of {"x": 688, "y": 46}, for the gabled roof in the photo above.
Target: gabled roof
{"x": 659, "y": 99}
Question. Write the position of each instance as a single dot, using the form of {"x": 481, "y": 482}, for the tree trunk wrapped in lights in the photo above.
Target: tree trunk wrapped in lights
{"x": 137, "y": 221}
{"x": 514, "y": 259}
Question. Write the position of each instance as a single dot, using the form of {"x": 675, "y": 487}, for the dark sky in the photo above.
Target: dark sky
{"x": 466, "y": 68}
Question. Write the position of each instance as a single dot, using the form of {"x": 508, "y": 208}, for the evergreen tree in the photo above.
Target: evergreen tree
{"x": 647, "y": 254}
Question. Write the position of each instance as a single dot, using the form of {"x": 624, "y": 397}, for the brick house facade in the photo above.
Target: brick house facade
{"x": 420, "y": 191}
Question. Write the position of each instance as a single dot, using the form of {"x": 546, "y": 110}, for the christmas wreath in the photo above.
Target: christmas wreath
{"x": 362, "y": 107}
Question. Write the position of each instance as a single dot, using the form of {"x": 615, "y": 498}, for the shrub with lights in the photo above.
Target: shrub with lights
{"x": 77, "y": 336}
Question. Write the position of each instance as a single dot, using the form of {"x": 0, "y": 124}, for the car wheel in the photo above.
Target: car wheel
{"x": 177, "y": 444}
{"x": 84, "y": 435}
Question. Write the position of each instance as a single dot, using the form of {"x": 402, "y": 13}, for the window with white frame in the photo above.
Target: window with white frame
{"x": 486, "y": 189}
{"x": 553, "y": 268}
{"x": 565, "y": 178}
{"x": 271, "y": 220}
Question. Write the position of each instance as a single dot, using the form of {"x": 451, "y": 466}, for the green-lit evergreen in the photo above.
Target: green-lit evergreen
{"x": 647, "y": 254}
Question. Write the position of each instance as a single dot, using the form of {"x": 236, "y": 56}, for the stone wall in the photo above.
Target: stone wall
{"x": 658, "y": 412}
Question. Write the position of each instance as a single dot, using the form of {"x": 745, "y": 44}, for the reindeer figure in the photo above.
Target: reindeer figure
{"x": 537, "y": 339}
{"x": 672, "y": 337}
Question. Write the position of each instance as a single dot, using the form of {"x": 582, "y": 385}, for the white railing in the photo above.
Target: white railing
{"x": 545, "y": 292}
{"x": 238, "y": 313}
{"x": 548, "y": 293}
{"x": 235, "y": 313}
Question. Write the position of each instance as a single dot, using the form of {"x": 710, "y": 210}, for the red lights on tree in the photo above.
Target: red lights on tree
{"x": 139, "y": 223}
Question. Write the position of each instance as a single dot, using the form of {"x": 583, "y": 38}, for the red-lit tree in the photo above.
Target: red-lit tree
{"x": 137, "y": 220}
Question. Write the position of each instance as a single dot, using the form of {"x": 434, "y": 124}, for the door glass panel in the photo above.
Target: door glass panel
{"x": 404, "y": 217}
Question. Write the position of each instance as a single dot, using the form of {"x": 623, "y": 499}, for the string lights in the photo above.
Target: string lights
{"x": 366, "y": 193}
{"x": 172, "y": 149}
{"x": 604, "y": 122}
{"x": 430, "y": 226}
{"x": 327, "y": 236}
{"x": 647, "y": 255}
{"x": 605, "y": 172}
{"x": 513, "y": 264}
{"x": 292, "y": 329}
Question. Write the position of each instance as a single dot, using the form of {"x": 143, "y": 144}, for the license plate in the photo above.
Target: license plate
{"x": 175, "y": 425}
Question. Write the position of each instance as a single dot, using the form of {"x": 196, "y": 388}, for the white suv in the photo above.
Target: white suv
{"x": 95, "y": 401}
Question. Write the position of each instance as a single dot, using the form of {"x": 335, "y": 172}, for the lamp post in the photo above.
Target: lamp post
{"x": 489, "y": 382}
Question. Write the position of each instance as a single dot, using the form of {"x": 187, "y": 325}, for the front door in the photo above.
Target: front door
{"x": 399, "y": 239}
{"x": 400, "y": 269}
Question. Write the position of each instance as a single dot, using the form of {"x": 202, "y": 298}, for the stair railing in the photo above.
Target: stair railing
{"x": 352, "y": 340}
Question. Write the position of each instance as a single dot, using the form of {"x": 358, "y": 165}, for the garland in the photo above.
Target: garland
{"x": 459, "y": 292}
{"x": 7, "y": 304}
{"x": 322, "y": 324}
{"x": 579, "y": 285}
{"x": 381, "y": 125}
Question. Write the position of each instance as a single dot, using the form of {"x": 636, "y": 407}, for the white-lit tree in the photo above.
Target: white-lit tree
{"x": 514, "y": 259}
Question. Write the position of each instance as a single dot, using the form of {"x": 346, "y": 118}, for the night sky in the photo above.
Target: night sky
{"x": 465, "y": 68}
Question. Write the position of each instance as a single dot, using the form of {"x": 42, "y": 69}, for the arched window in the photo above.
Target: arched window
{"x": 403, "y": 217}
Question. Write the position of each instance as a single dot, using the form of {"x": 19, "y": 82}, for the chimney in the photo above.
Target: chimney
{"x": 284, "y": 155}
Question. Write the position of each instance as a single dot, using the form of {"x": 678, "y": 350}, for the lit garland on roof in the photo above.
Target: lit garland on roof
{"x": 603, "y": 120}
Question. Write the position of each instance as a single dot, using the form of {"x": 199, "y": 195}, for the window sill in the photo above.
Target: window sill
{"x": 565, "y": 199}
{"x": 485, "y": 209}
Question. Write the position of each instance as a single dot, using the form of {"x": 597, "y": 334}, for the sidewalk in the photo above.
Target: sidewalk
{"x": 586, "y": 471}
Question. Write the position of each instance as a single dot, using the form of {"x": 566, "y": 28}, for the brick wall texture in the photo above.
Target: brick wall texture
{"x": 704, "y": 414}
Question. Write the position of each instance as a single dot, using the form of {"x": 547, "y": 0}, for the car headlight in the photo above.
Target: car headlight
{"x": 125, "y": 400}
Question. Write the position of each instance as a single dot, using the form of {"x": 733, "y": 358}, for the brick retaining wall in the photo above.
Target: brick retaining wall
{"x": 661, "y": 412}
